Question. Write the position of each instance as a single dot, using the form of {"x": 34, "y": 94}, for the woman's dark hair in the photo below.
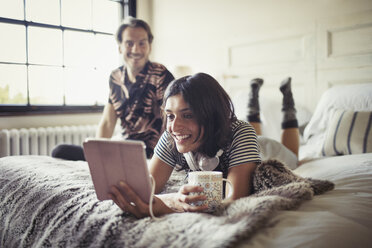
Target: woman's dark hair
{"x": 211, "y": 106}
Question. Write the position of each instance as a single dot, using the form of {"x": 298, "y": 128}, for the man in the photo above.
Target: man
{"x": 136, "y": 92}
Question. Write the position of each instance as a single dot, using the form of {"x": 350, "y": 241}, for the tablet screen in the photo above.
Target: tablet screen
{"x": 111, "y": 161}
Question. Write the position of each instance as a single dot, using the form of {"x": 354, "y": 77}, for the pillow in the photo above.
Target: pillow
{"x": 348, "y": 132}
{"x": 354, "y": 97}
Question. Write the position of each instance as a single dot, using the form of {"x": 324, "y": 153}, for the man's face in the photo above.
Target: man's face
{"x": 135, "y": 48}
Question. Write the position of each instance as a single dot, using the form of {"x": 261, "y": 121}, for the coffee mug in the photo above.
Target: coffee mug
{"x": 211, "y": 181}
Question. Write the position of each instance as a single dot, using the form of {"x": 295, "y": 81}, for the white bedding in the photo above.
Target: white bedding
{"x": 339, "y": 218}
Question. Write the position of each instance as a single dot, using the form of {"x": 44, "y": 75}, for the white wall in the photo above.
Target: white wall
{"x": 10, "y": 122}
{"x": 319, "y": 43}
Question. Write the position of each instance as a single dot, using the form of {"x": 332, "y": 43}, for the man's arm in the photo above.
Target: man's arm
{"x": 107, "y": 124}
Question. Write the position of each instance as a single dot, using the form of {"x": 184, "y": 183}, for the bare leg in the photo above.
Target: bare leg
{"x": 290, "y": 133}
{"x": 257, "y": 127}
{"x": 253, "y": 116}
{"x": 291, "y": 139}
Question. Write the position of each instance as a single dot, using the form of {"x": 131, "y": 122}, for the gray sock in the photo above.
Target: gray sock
{"x": 288, "y": 107}
{"x": 253, "y": 102}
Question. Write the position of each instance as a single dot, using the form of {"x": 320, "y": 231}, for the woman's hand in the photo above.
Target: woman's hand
{"x": 183, "y": 199}
{"x": 133, "y": 204}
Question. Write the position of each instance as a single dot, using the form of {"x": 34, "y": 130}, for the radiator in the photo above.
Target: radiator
{"x": 41, "y": 141}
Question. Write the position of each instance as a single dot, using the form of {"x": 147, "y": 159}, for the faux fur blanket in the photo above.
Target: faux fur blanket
{"x": 47, "y": 202}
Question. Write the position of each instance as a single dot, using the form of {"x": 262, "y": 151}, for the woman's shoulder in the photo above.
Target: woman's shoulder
{"x": 241, "y": 132}
{"x": 240, "y": 125}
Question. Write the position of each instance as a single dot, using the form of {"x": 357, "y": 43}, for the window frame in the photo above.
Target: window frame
{"x": 128, "y": 7}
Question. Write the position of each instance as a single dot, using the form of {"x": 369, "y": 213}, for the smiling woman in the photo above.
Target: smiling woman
{"x": 182, "y": 124}
{"x": 202, "y": 133}
{"x": 49, "y": 58}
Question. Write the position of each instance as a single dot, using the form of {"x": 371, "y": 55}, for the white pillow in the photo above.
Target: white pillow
{"x": 349, "y": 132}
{"x": 356, "y": 97}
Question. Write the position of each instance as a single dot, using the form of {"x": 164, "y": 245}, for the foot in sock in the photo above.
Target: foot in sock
{"x": 288, "y": 101}
{"x": 253, "y": 102}
{"x": 288, "y": 107}
{"x": 285, "y": 86}
{"x": 256, "y": 84}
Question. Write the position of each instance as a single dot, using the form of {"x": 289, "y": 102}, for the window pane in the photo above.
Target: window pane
{"x": 12, "y": 43}
{"x": 77, "y": 13}
{"x": 85, "y": 87}
{"x": 101, "y": 85}
{"x": 45, "y": 46}
{"x": 79, "y": 48}
{"x": 106, "y": 15}
{"x": 41, "y": 65}
{"x": 44, "y": 11}
{"x": 11, "y": 9}
{"x": 45, "y": 85}
{"x": 13, "y": 84}
{"x": 106, "y": 52}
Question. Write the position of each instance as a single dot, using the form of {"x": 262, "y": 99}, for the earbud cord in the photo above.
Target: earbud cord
{"x": 152, "y": 198}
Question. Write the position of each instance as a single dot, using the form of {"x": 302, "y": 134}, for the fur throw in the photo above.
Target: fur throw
{"x": 272, "y": 173}
{"x": 47, "y": 202}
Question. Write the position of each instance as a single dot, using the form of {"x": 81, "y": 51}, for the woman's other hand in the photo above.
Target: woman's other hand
{"x": 184, "y": 199}
{"x": 133, "y": 204}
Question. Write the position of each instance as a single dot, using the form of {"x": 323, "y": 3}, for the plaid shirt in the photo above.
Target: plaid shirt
{"x": 138, "y": 105}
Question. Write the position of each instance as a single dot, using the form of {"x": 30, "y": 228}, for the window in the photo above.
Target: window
{"x": 56, "y": 55}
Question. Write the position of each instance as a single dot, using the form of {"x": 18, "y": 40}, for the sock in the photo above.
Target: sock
{"x": 253, "y": 102}
{"x": 288, "y": 106}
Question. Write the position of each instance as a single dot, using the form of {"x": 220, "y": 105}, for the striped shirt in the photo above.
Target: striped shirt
{"x": 137, "y": 105}
{"x": 242, "y": 148}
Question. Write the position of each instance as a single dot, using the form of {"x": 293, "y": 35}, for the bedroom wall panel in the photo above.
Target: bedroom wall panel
{"x": 333, "y": 51}
{"x": 344, "y": 51}
{"x": 350, "y": 41}
{"x": 345, "y": 41}
{"x": 276, "y": 50}
{"x": 273, "y": 57}
{"x": 272, "y": 39}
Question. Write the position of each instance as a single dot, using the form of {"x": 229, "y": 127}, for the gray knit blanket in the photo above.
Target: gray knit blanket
{"x": 47, "y": 202}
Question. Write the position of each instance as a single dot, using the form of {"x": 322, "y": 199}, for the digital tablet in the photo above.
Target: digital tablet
{"x": 111, "y": 161}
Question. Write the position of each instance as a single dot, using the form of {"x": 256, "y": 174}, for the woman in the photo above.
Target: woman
{"x": 200, "y": 123}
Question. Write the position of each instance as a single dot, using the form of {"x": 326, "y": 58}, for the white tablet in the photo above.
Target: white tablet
{"x": 111, "y": 161}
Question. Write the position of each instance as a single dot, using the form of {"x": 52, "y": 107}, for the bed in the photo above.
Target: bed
{"x": 47, "y": 202}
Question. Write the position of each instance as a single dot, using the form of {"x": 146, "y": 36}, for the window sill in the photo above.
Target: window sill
{"x": 14, "y": 110}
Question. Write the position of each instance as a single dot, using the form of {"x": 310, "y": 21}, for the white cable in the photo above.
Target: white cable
{"x": 152, "y": 198}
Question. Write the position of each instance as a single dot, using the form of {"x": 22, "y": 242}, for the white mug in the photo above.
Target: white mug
{"x": 211, "y": 181}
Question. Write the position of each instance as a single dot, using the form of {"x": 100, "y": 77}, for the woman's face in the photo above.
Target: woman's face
{"x": 182, "y": 125}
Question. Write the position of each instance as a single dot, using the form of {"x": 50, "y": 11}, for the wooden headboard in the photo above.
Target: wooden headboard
{"x": 328, "y": 52}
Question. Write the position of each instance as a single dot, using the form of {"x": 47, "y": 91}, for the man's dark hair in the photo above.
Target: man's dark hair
{"x": 133, "y": 23}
